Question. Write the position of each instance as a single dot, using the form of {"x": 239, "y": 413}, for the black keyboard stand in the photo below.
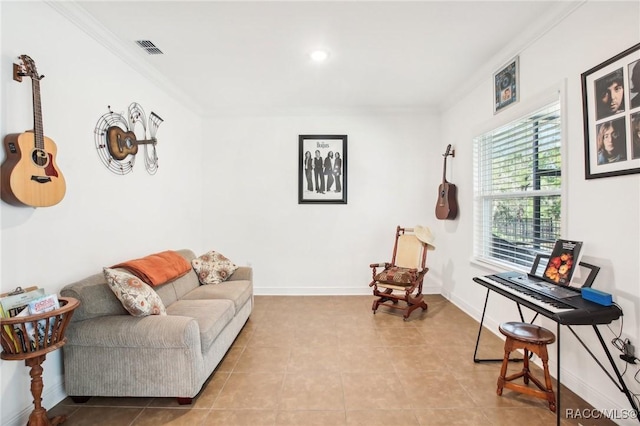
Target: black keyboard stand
{"x": 617, "y": 380}
{"x": 475, "y": 352}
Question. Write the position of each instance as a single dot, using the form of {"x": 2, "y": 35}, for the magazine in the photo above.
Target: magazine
{"x": 7, "y": 328}
{"x": 12, "y": 304}
{"x": 44, "y": 304}
{"x": 563, "y": 262}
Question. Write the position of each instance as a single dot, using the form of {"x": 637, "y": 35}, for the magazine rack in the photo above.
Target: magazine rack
{"x": 34, "y": 353}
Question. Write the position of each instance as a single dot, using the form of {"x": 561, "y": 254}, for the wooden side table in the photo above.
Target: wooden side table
{"x": 56, "y": 322}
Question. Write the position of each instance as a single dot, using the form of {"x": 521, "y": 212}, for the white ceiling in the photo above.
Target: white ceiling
{"x": 251, "y": 56}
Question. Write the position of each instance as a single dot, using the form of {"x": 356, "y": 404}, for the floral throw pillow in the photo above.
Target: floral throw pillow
{"x": 213, "y": 268}
{"x": 138, "y": 298}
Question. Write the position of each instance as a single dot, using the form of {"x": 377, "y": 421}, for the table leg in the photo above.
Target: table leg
{"x": 38, "y": 416}
{"x": 558, "y": 415}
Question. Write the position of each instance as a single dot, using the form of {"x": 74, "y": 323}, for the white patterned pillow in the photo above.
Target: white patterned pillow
{"x": 138, "y": 298}
{"x": 213, "y": 268}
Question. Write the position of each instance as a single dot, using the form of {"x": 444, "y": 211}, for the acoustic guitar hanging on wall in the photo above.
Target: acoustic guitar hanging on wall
{"x": 447, "y": 206}
{"x": 30, "y": 175}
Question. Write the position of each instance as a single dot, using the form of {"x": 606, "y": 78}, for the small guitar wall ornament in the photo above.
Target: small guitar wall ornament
{"x": 447, "y": 206}
{"x": 117, "y": 144}
{"x": 30, "y": 175}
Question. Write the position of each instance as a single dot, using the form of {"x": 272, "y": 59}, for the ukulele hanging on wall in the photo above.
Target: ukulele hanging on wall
{"x": 30, "y": 175}
{"x": 447, "y": 206}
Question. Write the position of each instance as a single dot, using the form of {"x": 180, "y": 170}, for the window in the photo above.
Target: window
{"x": 517, "y": 189}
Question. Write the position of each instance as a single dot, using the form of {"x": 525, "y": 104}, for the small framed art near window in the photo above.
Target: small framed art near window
{"x": 611, "y": 116}
{"x": 322, "y": 172}
{"x": 506, "y": 84}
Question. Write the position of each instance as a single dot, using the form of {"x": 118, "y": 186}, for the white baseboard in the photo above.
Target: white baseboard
{"x": 50, "y": 398}
{"x": 596, "y": 398}
{"x": 490, "y": 323}
{"x": 326, "y": 291}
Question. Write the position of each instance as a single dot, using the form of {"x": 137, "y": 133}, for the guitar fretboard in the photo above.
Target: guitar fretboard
{"x": 37, "y": 114}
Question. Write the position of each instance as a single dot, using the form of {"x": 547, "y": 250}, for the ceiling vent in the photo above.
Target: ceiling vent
{"x": 149, "y": 47}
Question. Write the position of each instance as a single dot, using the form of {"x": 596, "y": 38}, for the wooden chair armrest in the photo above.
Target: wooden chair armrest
{"x": 374, "y": 267}
{"x": 419, "y": 276}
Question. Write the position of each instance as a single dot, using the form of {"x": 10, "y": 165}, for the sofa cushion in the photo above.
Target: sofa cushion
{"x": 212, "y": 316}
{"x": 188, "y": 281}
{"x": 213, "y": 267}
{"x": 95, "y": 296}
{"x": 137, "y": 297}
{"x": 237, "y": 291}
{"x": 167, "y": 293}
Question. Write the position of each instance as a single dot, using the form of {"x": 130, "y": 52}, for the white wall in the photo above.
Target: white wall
{"x": 242, "y": 199}
{"x": 318, "y": 249}
{"x": 605, "y": 213}
{"x": 104, "y": 218}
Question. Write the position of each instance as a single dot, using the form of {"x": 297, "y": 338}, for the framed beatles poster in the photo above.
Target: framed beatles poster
{"x": 322, "y": 172}
{"x": 505, "y": 84}
{"x": 611, "y": 116}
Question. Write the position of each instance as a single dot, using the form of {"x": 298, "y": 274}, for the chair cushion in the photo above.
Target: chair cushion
{"x": 397, "y": 275}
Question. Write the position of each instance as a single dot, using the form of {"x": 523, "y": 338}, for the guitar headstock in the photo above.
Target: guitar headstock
{"x": 449, "y": 151}
{"x": 26, "y": 69}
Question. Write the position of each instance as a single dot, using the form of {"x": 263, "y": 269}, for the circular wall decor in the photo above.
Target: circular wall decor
{"x": 117, "y": 144}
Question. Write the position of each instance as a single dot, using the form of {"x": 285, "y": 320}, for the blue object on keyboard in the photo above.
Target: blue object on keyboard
{"x": 596, "y": 296}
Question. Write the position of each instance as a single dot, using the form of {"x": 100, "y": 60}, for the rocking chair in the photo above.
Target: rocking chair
{"x": 401, "y": 280}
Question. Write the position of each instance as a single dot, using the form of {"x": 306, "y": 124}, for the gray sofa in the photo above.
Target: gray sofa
{"x": 111, "y": 353}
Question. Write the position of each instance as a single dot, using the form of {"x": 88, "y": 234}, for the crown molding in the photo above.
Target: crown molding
{"x": 538, "y": 28}
{"x": 319, "y": 111}
{"x": 128, "y": 53}
{"x": 133, "y": 57}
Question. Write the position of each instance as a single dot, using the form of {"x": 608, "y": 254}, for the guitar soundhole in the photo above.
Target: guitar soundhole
{"x": 128, "y": 143}
{"x": 40, "y": 157}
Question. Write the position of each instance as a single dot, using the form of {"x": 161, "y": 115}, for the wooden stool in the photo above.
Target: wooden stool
{"x": 531, "y": 338}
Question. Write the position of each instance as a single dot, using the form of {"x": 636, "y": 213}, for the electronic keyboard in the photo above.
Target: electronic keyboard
{"x": 564, "y": 309}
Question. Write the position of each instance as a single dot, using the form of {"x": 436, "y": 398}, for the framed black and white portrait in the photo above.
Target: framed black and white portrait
{"x": 611, "y": 116}
{"x": 322, "y": 175}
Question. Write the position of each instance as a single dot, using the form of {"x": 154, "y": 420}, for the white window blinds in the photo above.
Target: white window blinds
{"x": 517, "y": 188}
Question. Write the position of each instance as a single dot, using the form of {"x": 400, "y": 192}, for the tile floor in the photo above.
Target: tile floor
{"x": 327, "y": 360}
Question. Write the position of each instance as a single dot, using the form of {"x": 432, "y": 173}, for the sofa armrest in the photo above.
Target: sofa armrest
{"x": 242, "y": 273}
{"x": 154, "y": 331}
